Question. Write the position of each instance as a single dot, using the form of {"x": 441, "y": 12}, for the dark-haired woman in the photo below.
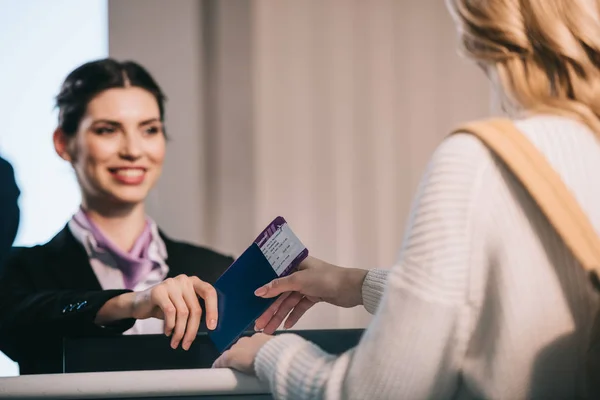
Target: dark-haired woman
{"x": 110, "y": 270}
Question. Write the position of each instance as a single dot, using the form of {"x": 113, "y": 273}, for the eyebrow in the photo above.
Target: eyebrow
{"x": 149, "y": 121}
{"x": 116, "y": 123}
{"x": 105, "y": 121}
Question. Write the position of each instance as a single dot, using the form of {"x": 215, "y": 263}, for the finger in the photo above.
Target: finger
{"x": 195, "y": 315}
{"x": 181, "y": 318}
{"x": 209, "y": 294}
{"x": 298, "y": 311}
{"x": 282, "y": 312}
{"x": 280, "y": 285}
{"x": 222, "y": 361}
{"x": 160, "y": 297}
{"x": 264, "y": 319}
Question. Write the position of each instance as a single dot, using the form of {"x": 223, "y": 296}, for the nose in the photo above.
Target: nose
{"x": 131, "y": 146}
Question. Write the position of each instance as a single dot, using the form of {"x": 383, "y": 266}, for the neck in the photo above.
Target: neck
{"x": 121, "y": 224}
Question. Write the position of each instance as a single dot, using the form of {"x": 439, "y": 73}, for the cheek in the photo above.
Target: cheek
{"x": 156, "y": 151}
{"x": 97, "y": 151}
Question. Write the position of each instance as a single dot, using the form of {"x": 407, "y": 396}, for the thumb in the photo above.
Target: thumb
{"x": 278, "y": 286}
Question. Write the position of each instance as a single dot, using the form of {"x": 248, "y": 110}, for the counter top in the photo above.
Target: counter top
{"x": 191, "y": 383}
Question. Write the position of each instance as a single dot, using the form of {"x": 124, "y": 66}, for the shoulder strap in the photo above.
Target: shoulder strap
{"x": 545, "y": 187}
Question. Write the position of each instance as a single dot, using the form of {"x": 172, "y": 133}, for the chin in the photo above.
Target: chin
{"x": 129, "y": 197}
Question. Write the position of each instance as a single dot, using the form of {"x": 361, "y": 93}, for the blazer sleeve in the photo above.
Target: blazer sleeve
{"x": 26, "y": 310}
{"x": 9, "y": 209}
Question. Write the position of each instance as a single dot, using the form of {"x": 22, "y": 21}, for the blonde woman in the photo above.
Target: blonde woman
{"x": 485, "y": 301}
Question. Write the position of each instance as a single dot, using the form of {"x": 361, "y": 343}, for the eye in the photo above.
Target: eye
{"x": 104, "y": 130}
{"x": 153, "y": 130}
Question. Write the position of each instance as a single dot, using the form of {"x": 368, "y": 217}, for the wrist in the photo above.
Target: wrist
{"x": 125, "y": 305}
{"x": 118, "y": 308}
{"x": 352, "y": 285}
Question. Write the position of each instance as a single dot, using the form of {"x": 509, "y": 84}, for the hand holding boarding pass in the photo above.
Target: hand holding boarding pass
{"x": 274, "y": 254}
{"x": 314, "y": 281}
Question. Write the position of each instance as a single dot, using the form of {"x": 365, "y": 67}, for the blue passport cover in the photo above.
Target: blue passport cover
{"x": 238, "y": 306}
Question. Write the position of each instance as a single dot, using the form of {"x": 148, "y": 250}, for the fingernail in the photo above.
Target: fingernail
{"x": 186, "y": 345}
{"x": 212, "y": 324}
{"x": 260, "y": 291}
{"x": 256, "y": 328}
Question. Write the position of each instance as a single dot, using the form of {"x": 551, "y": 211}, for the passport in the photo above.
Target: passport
{"x": 275, "y": 253}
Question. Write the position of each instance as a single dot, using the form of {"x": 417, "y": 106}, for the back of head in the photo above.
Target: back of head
{"x": 545, "y": 53}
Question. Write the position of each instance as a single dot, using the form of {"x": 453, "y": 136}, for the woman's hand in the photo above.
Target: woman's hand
{"x": 175, "y": 300}
{"x": 242, "y": 354}
{"x": 314, "y": 281}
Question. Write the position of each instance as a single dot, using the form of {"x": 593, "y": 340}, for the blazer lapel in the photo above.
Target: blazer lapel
{"x": 175, "y": 260}
{"x": 71, "y": 263}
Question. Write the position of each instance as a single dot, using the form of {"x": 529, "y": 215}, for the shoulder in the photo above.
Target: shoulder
{"x": 39, "y": 256}
{"x": 545, "y": 132}
{"x": 463, "y": 150}
{"x": 24, "y": 264}
{"x": 455, "y": 170}
{"x": 565, "y": 143}
{"x": 462, "y": 158}
{"x": 7, "y": 178}
{"x": 6, "y": 168}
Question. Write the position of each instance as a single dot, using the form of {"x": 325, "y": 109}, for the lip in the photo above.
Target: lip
{"x": 128, "y": 175}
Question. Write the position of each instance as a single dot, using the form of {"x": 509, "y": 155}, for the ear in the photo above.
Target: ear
{"x": 61, "y": 145}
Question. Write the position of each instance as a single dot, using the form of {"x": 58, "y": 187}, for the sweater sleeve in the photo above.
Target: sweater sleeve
{"x": 415, "y": 344}
{"x": 373, "y": 287}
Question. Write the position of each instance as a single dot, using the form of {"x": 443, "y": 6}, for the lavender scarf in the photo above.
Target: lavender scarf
{"x": 135, "y": 265}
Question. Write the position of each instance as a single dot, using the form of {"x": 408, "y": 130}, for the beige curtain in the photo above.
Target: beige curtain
{"x": 324, "y": 112}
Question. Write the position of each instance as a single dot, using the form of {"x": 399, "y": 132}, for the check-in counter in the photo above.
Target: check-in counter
{"x": 145, "y": 367}
{"x": 163, "y": 384}
{"x": 153, "y": 352}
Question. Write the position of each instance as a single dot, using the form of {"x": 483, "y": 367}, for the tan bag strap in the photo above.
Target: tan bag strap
{"x": 545, "y": 187}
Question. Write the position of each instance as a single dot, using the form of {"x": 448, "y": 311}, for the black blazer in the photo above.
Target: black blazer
{"x": 50, "y": 292}
{"x": 9, "y": 209}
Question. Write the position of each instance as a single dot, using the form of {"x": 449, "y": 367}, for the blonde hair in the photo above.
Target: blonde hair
{"x": 545, "y": 53}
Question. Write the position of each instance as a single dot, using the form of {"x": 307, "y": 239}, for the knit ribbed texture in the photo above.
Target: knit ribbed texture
{"x": 485, "y": 301}
{"x": 373, "y": 287}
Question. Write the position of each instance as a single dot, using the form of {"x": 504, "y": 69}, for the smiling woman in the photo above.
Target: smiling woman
{"x": 110, "y": 270}
{"x": 119, "y": 149}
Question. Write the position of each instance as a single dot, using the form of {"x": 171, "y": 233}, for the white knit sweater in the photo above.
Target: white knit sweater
{"x": 485, "y": 300}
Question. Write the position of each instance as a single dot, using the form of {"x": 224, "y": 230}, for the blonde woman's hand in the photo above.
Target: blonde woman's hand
{"x": 242, "y": 354}
{"x": 314, "y": 281}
